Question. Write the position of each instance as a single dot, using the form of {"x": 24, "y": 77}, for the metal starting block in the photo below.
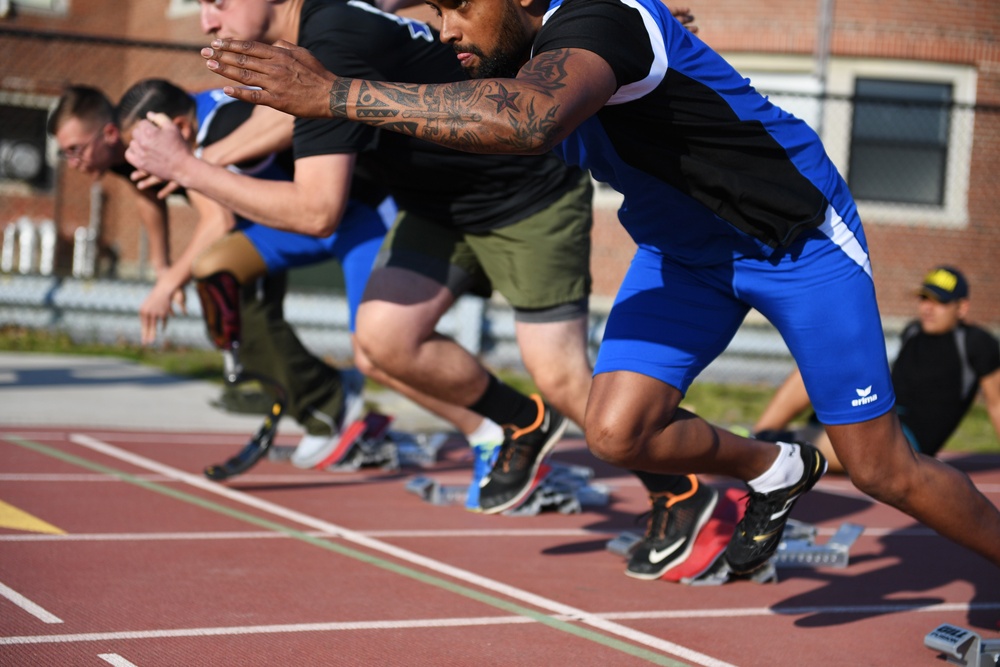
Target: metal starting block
{"x": 566, "y": 489}
{"x": 390, "y": 451}
{"x": 436, "y": 493}
{"x": 798, "y": 547}
{"x": 963, "y": 647}
{"x": 418, "y": 450}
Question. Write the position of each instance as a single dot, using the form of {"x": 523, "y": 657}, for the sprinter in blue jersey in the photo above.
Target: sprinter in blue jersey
{"x": 734, "y": 205}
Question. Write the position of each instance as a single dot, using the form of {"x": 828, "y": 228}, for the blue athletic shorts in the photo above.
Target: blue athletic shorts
{"x": 354, "y": 245}
{"x": 671, "y": 319}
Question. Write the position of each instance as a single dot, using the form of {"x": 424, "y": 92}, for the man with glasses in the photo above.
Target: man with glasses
{"x": 86, "y": 129}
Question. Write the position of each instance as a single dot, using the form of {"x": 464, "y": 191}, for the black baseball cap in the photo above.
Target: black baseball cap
{"x": 944, "y": 284}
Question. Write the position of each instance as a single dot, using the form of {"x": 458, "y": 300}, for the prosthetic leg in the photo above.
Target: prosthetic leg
{"x": 219, "y": 294}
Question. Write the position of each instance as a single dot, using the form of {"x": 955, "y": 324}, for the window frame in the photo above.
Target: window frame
{"x": 954, "y": 212}
{"x": 41, "y": 6}
{"x": 35, "y": 102}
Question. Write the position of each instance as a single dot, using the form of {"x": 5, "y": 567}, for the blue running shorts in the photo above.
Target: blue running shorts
{"x": 354, "y": 245}
{"x": 671, "y": 319}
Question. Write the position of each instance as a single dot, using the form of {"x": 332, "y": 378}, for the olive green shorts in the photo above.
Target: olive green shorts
{"x": 540, "y": 264}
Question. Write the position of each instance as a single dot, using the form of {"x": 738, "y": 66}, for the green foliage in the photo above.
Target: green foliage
{"x": 200, "y": 364}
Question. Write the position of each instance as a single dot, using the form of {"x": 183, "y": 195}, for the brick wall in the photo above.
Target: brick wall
{"x": 935, "y": 31}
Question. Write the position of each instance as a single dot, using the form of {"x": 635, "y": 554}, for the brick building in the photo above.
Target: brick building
{"x": 905, "y": 93}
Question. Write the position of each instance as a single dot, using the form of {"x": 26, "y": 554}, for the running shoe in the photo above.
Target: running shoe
{"x": 758, "y": 534}
{"x": 674, "y": 523}
{"x": 517, "y": 462}
{"x": 314, "y": 448}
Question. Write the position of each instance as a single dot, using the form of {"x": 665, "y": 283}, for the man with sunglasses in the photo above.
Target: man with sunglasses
{"x": 942, "y": 365}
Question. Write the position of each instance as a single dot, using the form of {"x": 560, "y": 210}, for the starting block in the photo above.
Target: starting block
{"x": 368, "y": 443}
{"x": 963, "y": 647}
{"x": 798, "y": 547}
{"x": 566, "y": 489}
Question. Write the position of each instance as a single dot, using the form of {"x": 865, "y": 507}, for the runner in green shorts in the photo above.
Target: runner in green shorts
{"x": 540, "y": 262}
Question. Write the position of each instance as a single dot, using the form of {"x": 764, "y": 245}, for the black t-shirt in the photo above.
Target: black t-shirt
{"x": 470, "y": 191}
{"x": 226, "y": 119}
{"x": 233, "y": 113}
{"x": 936, "y": 379}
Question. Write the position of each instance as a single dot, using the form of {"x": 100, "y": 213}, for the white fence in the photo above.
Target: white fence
{"x": 107, "y": 311}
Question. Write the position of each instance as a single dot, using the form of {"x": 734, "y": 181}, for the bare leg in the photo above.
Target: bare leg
{"x": 464, "y": 420}
{"x": 555, "y": 355}
{"x": 395, "y": 331}
{"x": 881, "y": 463}
{"x": 633, "y": 422}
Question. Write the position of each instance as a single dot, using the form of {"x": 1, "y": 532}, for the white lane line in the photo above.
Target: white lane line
{"x": 302, "y": 479}
{"x": 893, "y": 608}
{"x": 115, "y": 659}
{"x": 398, "y": 534}
{"x": 844, "y": 489}
{"x": 486, "y": 621}
{"x": 267, "y": 535}
{"x": 197, "y": 439}
{"x": 27, "y": 605}
{"x": 404, "y": 555}
{"x": 268, "y": 629}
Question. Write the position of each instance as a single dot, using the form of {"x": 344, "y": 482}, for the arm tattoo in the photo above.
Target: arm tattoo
{"x": 338, "y": 97}
{"x": 518, "y": 115}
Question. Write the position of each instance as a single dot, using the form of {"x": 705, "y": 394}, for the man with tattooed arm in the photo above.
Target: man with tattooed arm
{"x": 734, "y": 205}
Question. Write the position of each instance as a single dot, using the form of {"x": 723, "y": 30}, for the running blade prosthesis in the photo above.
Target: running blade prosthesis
{"x": 254, "y": 450}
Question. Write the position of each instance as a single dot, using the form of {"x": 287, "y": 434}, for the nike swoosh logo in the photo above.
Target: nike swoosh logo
{"x": 657, "y": 555}
{"x": 784, "y": 510}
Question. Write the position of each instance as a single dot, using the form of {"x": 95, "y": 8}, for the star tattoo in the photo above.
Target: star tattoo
{"x": 504, "y": 99}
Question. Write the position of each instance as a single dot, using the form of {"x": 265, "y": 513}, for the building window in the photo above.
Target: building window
{"x": 899, "y": 141}
{"x": 906, "y": 150}
{"x": 181, "y": 8}
{"x": 23, "y": 144}
{"x": 48, "y": 6}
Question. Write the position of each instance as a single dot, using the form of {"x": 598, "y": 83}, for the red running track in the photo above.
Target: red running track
{"x": 115, "y": 550}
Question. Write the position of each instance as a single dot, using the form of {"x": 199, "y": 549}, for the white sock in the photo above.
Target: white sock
{"x": 786, "y": 470}
{"x": 487, "y": 434}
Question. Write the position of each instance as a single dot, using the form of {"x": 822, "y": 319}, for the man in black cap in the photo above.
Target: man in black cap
{"x": 941, "y": 364}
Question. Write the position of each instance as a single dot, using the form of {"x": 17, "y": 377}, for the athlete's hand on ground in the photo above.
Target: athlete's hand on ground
{"x": 284, "y": 76}
{"x": 157, "y": 151}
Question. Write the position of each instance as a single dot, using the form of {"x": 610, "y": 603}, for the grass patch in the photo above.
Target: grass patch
{"x": 193, "y": 363}
{"x": 731, "y": 405}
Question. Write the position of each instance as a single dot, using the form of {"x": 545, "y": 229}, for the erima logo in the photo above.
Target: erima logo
{"x": 865, "y": 396}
